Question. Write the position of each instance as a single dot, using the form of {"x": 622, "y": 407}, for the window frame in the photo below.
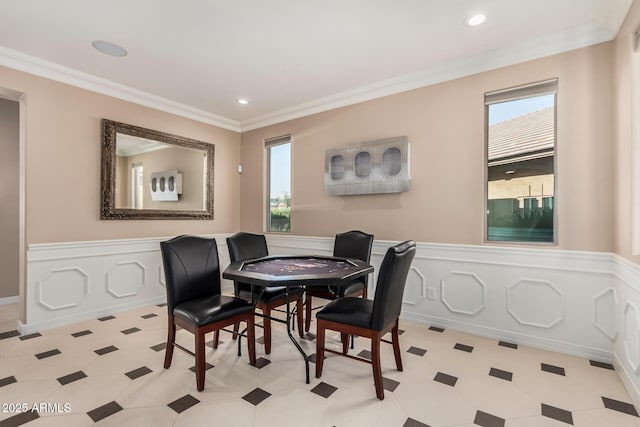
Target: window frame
{"x": 268, "y": 144}
{"x": 540, "y": 88}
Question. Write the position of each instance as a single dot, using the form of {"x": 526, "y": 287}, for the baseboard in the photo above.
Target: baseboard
{"x": 29, "y": 328}
{"x": 9, "y": 300}
{"x": 515, "y": 338}
{"x": 627, "y": 380}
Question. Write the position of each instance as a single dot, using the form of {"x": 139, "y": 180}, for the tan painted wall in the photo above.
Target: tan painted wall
{"x": 63, "y": 157}
{"x": 445, "y": 126}
{"x": 623, "y": 134}
{"x": 9, "y": 197}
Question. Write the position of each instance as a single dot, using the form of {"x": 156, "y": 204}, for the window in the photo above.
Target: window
{"x": 279, "y": 184}
{"x": 521, "y": 146}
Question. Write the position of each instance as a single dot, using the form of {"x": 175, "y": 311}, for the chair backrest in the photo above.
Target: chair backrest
{"x": 243, "y": 246}
{"x": 191, "y": 269}
{"x": 353, "y": 244}
{"x": 392, "y": 278}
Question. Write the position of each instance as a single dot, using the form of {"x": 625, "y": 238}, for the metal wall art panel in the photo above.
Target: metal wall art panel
{"x": 371, "y": 167}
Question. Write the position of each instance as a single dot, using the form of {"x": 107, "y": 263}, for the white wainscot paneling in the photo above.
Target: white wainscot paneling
{"x": 69, "y": 282}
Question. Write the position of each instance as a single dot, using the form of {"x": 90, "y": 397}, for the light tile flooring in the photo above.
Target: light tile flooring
{"x": 109, "y": 372}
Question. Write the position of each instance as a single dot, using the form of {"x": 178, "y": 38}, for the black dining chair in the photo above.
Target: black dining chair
{"x": 194, "y": 299}
{"x": 370, "y": 318}
{"x": 244, "y": 246}
{"x": 352, "y": 244}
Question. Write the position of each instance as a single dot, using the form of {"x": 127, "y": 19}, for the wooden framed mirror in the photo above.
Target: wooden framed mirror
{"x": 136, "y": 164}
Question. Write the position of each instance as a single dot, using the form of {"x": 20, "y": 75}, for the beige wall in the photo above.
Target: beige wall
{"x": 9, "y": 197}
{"x": 623, "y": 133}
{"x": 63, "y": 157}
{"x": 445, "y": 126}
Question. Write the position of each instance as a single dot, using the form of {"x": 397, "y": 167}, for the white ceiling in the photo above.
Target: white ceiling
{"x": 289, "y": 58}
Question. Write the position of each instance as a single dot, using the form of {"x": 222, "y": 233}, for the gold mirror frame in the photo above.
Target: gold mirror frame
{"x": 108, "y": 208}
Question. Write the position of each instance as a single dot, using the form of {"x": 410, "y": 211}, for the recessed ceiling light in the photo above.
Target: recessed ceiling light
{"x": 243, "y": 101}
{"x": 109, "y": 48}
{"x": 475, "y": 20}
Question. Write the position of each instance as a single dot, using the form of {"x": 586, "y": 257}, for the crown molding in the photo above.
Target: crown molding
{"x": 532, "y": 49}
{"x": 30, "y": 64}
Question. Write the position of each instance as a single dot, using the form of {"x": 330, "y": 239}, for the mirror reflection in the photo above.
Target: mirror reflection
{"x": 150, "y": 174}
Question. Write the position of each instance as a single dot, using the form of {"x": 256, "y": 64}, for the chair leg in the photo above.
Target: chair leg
{"x": 307, "y": 319}
{"x": 395, "y": 338}
{"x": 345, "y": 342}
{"x": 319, "y": 348}
{"x": 216, "y": 339}
{"x": 266, "y": 310}
{"x": 236, "y": 329}
{"x": 251, "y": 340}
{"x": 200, "y": 351}
{"x": 299, "y": 315}
{"x": 171, "y": 339}
{"x": 375, "y": 361}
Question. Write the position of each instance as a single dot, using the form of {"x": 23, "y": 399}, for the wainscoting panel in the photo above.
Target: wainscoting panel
{"x": 69, "y": 282}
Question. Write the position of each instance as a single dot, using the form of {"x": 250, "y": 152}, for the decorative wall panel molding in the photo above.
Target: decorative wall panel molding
{"x": 415, "y": 288}
{"x": 63, "y": 288}
{"x": 535, "y": 303}
{"x": 632, "y": 336}
{"x": 604, "y": 305}
{"x": 70, "y": 282}
{"x": 463, "y": 293}
{"x": 126, "y": 279}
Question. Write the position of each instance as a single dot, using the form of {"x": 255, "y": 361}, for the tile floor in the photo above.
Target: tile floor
{"x": 109, "y": 372}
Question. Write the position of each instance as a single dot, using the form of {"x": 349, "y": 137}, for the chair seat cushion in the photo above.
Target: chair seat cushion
{"x": 271, "y": 293}
{"x": 349, "y": 311}
{"x": 347, "y": 288}
{"x": 206, "y": 310}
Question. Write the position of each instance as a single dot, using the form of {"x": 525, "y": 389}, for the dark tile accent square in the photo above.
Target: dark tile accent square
{"x": 414, "y": 423}
{"x": 261, "y": 362}
{"x": 81, "y": 333}
{"x": 105, "y": 318}
{"x": 72, "y": 377}
{"x": 557, "y": 414}
{"x": 445, "y": 379}
{"x": 28, "y": 337}
{"x": 416, "y": 350}
{"x": 164, "y": 304}
{"x": 104, "y": 411}
{"x": 619, "y": 406}
{"x": 159, "y": 347}
{"x": 309, "y": 336}
{"x": 499, "y": 373}
{"x": 7, "y": 381}
{"x": 260, "y": 340}
{"x": 184, "y": 403}
{"x": 436, "y": 329}
{"x": 400, "y": 331}
{"x": 130, "y": 331}
{"x": 9, "y": 334}
{"x": 137, "y": 373}
{"x": 487, "y": 420}
{"x": 508, "y": 345}
{"x": 149, "y": 316}
{"x": 389, "y": 384}
{"x": 106, "y": 350}
{"x": 20, "y": 419}
{"x": 552, "y": 369}
{"x": 602, "y": 365}
{"x": 324, "y": 390}
{"x": 49, "y": 353}
{"x": 256, "y": 396}
{"x": 463, "y": 347}
{"x": 365, "y": 354}
{"x": 207, "y": 366}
